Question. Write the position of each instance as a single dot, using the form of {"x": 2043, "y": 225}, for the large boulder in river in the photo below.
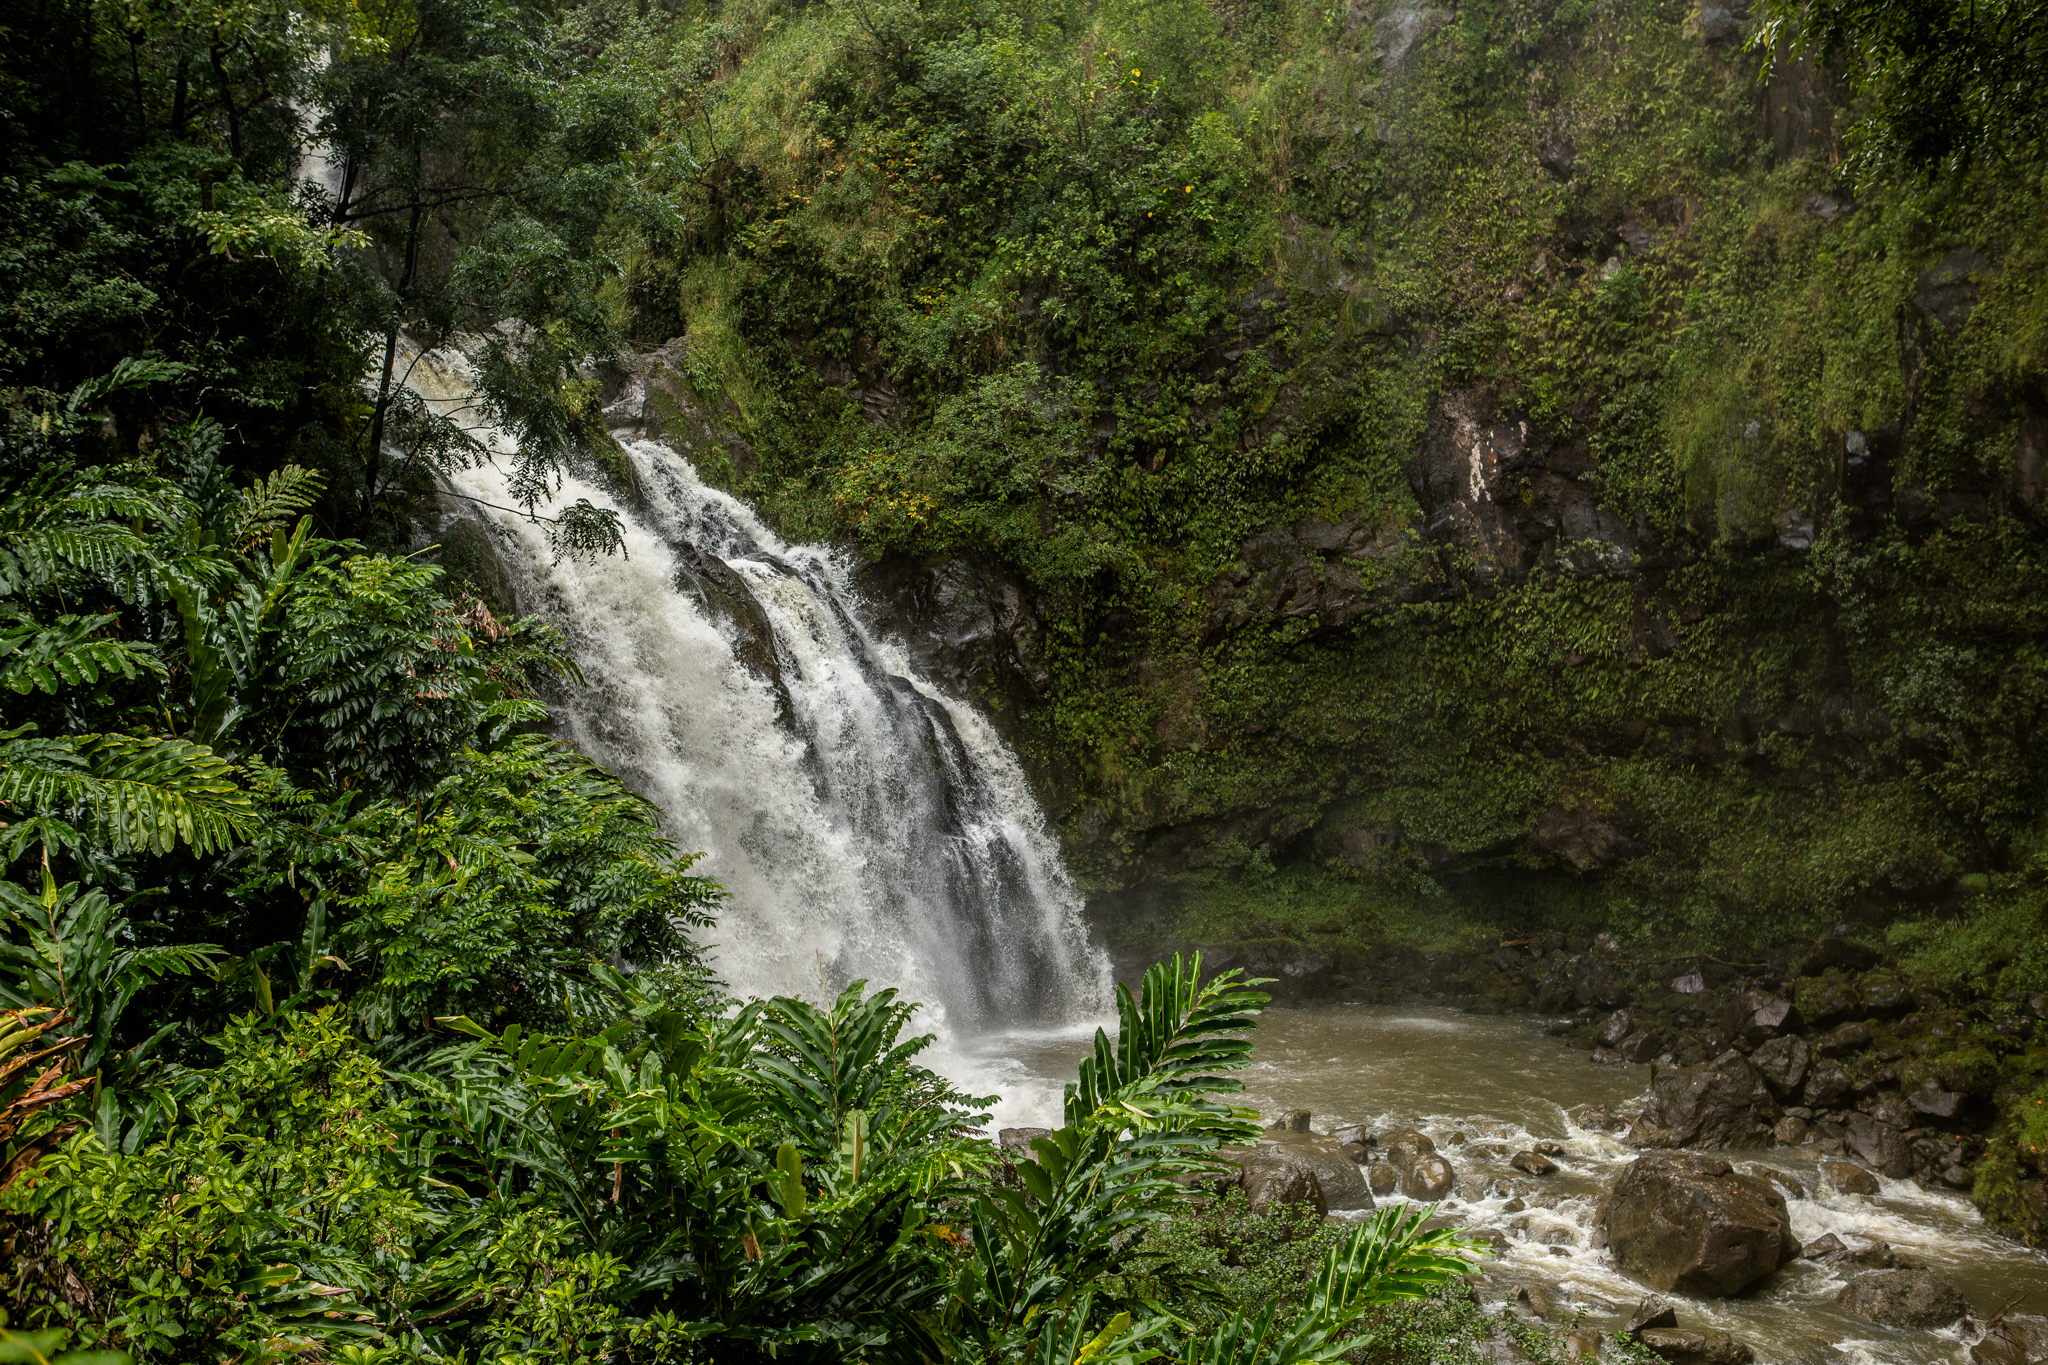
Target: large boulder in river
{"x": 1313, "y": 1159}
{"x": 1722, "y": 1103}
{"x": 1679, "y": 1221}
{"x": 1903, "y": 1298}
{"x": 1696, "y": 1346}
{"x": 1425, "y": 1175}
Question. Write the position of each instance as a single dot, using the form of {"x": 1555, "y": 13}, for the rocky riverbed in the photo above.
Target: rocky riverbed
{"x": 1787, "y": 1247}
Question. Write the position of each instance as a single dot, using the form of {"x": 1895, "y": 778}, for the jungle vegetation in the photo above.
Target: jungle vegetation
{"x": 346, "y": 1012}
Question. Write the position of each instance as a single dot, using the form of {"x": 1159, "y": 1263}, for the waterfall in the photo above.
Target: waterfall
{"x": 864, "y": 824}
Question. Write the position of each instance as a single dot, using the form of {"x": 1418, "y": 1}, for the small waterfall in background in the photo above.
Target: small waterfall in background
{"x": 865, "y": 824}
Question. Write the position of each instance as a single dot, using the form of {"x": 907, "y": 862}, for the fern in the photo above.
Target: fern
{"x": 144, "y": 795}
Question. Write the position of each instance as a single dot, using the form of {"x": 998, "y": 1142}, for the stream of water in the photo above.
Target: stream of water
{"x": 1484, "y": 1088}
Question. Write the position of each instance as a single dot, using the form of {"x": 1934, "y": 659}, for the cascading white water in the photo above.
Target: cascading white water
{"x": 864, "y": 824}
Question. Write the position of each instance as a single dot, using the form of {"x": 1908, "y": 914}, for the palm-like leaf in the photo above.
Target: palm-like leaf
{"x": 67, "y": 652}
{"x": 145, "y": 794}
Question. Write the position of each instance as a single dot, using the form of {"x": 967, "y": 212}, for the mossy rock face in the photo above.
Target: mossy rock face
{"x": 1884, "y": 994}
{"x": 469, "y": 560}
{"x": 1829, "y": 999}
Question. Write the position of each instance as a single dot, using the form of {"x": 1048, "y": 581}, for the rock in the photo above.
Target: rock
{"x": 1836, "y": 949}
{"x": 1583, "y": 1344}
{"x": 1356, "y": 1152}
{"x": 1405, "y": 1146}
{"x": 1428, "y": 1178}
{"x": 1536, "y": 1299}
{"x": 1678, "y": 1221}
{"x": 1019, "y": 1139}
{"x": 1381, "y": 1178}
{"x": 1696, "y": 1346}
{"x": 1601, "y": 1120}
{"x": 1356, "y": 1132}
{"x": 1614, "y": 1029}
{"x": 1884, "y": 994}
{"x": 1547, "y": 1148}
{"x": 1493, "y": 1237}
{"x": 1339, "y": 1182}
{"x": 1654, "y": 1311}
{"x": 1596, "y": 983}
{"x": 1643, "y": 1047}
{"x": 1270, "y": 1181}
{"x": 2000, "y": 1345}
{"x": 1297, "y": 1121}
{"x": 1848, "y": 1177}
{"x": 1692, "y": 983}
{"x": 1878, "y": 1255}
{"x": 1903, "y": 1298}
{"x": 1718, "y": 23}
{"x": 1533, "y": 1163}
{"x": 1789, "y": 1132}
{"x": 1722, "y": 1103}
{"x": 1755, "y": 1016}
{"x": 1845, "y": 1040}
{"x": 1880, "y": 1144}
{"x": 1932, "y": 1100}
{"x": 1827, "y": 1085}
{"x": 1782, "y": 1062}
{"x": 1822, "y": 1247}
{"x": 1829, "y": 999}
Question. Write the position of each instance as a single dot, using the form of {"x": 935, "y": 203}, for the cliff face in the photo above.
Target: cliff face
{"x": 1407, "y": 474}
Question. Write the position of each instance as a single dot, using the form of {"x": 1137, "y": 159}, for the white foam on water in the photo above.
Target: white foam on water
{"x": 864, "y": 824}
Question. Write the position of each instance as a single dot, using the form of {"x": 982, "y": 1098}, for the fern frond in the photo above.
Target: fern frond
{"x": 146, "y": 794}
{"x": 266, "y": 506}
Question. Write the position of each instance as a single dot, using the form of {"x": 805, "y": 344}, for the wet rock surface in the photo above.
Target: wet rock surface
{"x": 1903, "y": 1298}
{"x": 1680, "y": 1221}
{"x": 1722, "y": 1103}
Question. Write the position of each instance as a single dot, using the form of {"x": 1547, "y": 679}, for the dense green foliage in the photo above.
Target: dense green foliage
{"x": 1124, "y": 302}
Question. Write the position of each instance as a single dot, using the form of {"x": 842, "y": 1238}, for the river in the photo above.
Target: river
{"x": 1484, "y": 1088}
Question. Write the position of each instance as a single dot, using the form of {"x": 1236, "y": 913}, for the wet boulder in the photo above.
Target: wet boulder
{"x": 1679, "y": 1221}
{"x": 1645, "y": 1046}
{"x": 1596, "y": 982}
{"x": 1722, "y": 1103}
{"x": 1884, "y": 994}
{"x": 1903, "y": 1298}
{"x": 1845, "y": 1040}
{"x": 1782, "y": 1062}
{"x": 1269, "y": 1180}
{"x": 1880, "y": 1144}
{"x": 1827, "y": 1085}
{"x": 1654, "y": 1311}
{"x": 1614, "y": 1029}
{"x": 1696, "y": 1346}
{"x": 1338, "y": 1181}
{"x": 1533, "y": 1163}
{"x": 1428, "y": 1178}
{"x": 1381, "y": 1178}
{"x": 1403, "y": 1147}
{"x": 1848, "y": 1178}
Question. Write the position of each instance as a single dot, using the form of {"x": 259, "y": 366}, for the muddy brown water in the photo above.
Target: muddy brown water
{"x": 1502, "y": 1084}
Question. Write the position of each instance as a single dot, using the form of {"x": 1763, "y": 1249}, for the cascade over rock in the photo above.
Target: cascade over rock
{"x": 865, "y": 823}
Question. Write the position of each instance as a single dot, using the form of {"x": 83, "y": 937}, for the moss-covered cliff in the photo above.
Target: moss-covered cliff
{"x": 1434, "y": 466}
